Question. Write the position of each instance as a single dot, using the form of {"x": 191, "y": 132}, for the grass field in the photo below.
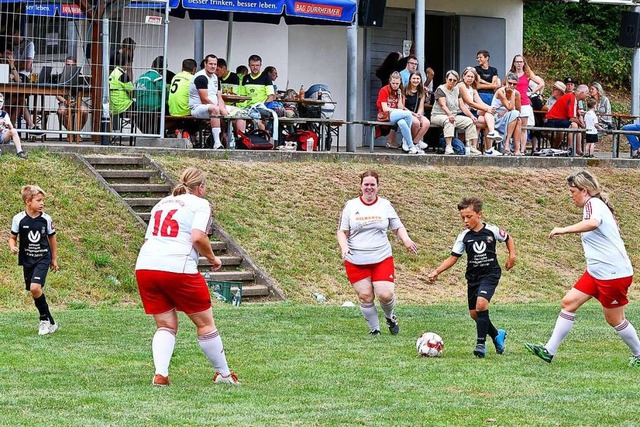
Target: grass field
{"x": 303, "y": 365}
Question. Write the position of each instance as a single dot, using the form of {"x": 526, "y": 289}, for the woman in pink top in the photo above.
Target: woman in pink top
{"x": 525, "y": 74}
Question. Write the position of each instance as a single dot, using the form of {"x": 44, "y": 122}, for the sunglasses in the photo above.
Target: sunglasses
{"x": 452, "y": 80}
{"x": 512, "y": 83}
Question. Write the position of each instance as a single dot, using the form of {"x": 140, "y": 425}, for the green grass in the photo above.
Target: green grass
{"x": 303, "y": 365}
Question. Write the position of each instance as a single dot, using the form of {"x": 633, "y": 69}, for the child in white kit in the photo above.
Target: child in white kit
{"x": 592, "y": 127}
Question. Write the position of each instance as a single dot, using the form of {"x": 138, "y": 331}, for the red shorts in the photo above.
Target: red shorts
{"x": 163, "y": 291}
{"x": 383, "y": 271}
{"x": 611, "y": 293}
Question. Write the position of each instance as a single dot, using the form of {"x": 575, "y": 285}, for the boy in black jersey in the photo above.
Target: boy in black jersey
{"x": 483, "y": 271}
{"x": 37, "y": 250}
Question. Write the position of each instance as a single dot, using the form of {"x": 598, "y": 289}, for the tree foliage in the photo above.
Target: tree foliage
{"x": 578, "y": 40}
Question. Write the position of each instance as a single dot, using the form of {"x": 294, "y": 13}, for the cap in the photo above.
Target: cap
{"x": 560, "y": 86}
{"x": 569, "y": 80}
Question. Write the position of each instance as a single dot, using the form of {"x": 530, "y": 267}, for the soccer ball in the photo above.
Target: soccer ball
{"x": 430, "y": 344}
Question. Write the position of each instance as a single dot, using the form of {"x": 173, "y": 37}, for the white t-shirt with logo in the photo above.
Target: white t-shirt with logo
{"x": 603, "y": 247}
{"x": 168, "y": 245}
{"x": 367, "y": 226}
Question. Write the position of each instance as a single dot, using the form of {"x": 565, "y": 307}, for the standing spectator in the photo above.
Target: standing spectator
{"x": 446, "y": 113}
{"x": 489, "y": 80}
{"x": 387, "y": 67}
{"x": 414, "y": 99}
{"x": 205, "y": 100}
{"x": 127, "y": 48}
{"x": 592, "y": 127}
{"x": 34, "y": 232}
{"x": 366, "y": 251}
{"x": 121, "y": 87}
{"x": 179, "y": 90}
{"x": 603, "y": 105}
{"x": 525, "y": 74}
{"x": 149, "y": 88}
{"x": 24, "y": 53}
{"x": 506, "y": 102}
{"x": 391, "y": 108}
{"x": 481, "y": 113}
{"x": 570, "y": 84}
{"x": 609, "y": 272}
{"x": 168, "y": 277}
{"x": 8, "y": 132}
{"x": 564, "y": 114}
{"x": 229, "y": 81}
{"x": 412, "y": 65}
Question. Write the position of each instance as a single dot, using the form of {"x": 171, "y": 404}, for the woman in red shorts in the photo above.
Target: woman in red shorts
{"x": 168, "y": 277}
{"x": 366, "y": 251}
{"x": 609, "y": 273}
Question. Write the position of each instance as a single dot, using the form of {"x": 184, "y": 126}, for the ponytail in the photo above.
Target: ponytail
{"x": 190, "y": 179}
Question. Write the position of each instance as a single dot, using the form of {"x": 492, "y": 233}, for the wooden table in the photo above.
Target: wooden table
{"x": 234, "y": 99}
{"x": 42, "y": 90}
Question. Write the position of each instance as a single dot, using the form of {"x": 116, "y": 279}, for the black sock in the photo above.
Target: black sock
{"x": 482, "y": 325}
{"x": 43, "y": 308}
{"x": 491, "y": 331}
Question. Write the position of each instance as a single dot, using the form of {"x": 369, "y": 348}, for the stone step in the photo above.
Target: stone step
{"x": 252, "y": 290}
{"x": 114, "y": 160}
{"x": 126, "y": 173}
{"x": 142, "y": 201}
{"x": 218, "y": 246}
{"x": 231, "y": 276}
{"x": 226, "y": 260}
{"x": 142, "y": 188}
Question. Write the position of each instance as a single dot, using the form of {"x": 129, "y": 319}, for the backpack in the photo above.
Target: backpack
{"x": 456, "y": 144}
{"x": 253, "y": 140}
{"x": 301, "y": 137}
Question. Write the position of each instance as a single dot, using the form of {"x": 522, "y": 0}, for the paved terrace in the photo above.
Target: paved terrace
{"x": 381, "y": 156}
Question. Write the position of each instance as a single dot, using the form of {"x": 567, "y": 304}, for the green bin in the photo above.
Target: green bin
{"x": 224, "y": 289}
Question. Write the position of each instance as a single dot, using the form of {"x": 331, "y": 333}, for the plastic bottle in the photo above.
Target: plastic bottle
{"x": 319, "y": 297}
{"x": 237, "y": 298}
{"x": 319, "y": 94}
{"x": 310, "y": 144}
{"x": 301, "y": 93}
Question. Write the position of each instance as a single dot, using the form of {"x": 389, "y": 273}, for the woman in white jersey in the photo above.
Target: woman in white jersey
{"x": 168, "y": 277}
{"x": 366, "y": 251}
{"x": 609, "y": 273}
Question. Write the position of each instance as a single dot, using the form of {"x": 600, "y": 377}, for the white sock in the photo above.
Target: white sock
{"x": 629, "y": 335}
{"x": 561, "y": 330}
{"x": 211, "y": 345}
{"x": 162, "y": 345}
{"x": 216, "y": 136}
{"x": 370, "y": 313}
{"x": 388, "y": 307}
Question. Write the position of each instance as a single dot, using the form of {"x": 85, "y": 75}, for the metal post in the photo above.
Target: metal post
{"x": 635, "y": 76}
{"x": 229, "y": 38}
{"x": 352, "y": 82}
{"x": 198, "y": 40}
{"x": 106, "y": 114}
{"x": 419, "y": 36}
{"x": 164, "y": 68}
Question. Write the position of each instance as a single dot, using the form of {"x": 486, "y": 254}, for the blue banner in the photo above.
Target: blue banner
{"x": 269, "y": 7}
{"x": 331, "y": 10}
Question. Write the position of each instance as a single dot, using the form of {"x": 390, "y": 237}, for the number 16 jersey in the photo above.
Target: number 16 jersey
{"x": 168, "y": 245}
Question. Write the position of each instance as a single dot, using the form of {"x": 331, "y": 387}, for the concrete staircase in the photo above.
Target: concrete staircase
{"x": 140, "y": 183}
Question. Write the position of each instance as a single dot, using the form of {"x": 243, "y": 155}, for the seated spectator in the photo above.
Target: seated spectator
{"x": 241, "y": 71}
{"x": 179, "y": 89}
{"x": 391, "y": 108}
{"x": 603, "y": 105}
{"x": 24, "y": 54}
{"x": 149, "y": 88}
{"x": 634, "y": 142}
{"x": 70, "y": 100}
{"x": 273, "y": 75}
{"x": 121, "y": 87}
{"x": 205, "y": 100}
{"x": 8, "y": 132}
{"x": 414, "y": 99}
{"x": 451, "y": 113}
{"x": 259, "y": 87}
{"x": 506, "y": 102}
{"x": 489, "y": 80}
{"x": 557, "y": 91}
{"x": 481, "y": 113}
{"x": 229, "y": 81}
{"x": 565, "y": 114}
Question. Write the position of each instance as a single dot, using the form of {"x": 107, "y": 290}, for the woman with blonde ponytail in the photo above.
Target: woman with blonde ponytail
{"x": 168, "y": 277}
{"x": 609, "y": 272}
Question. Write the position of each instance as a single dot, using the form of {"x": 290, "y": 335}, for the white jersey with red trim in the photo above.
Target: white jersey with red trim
{"x": 603, "y": 247}
{"x": 367, "y": 226}
{"x": 168, "y": 245}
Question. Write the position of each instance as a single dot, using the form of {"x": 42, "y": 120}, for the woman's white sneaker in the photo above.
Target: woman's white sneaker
{"x": 449, "y": 150}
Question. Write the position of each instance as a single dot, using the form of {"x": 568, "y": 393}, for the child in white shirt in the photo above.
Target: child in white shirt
{"x": 592, "y": 125}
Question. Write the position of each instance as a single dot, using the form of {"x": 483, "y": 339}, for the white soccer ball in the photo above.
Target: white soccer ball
{"x": 430, "y": 344}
